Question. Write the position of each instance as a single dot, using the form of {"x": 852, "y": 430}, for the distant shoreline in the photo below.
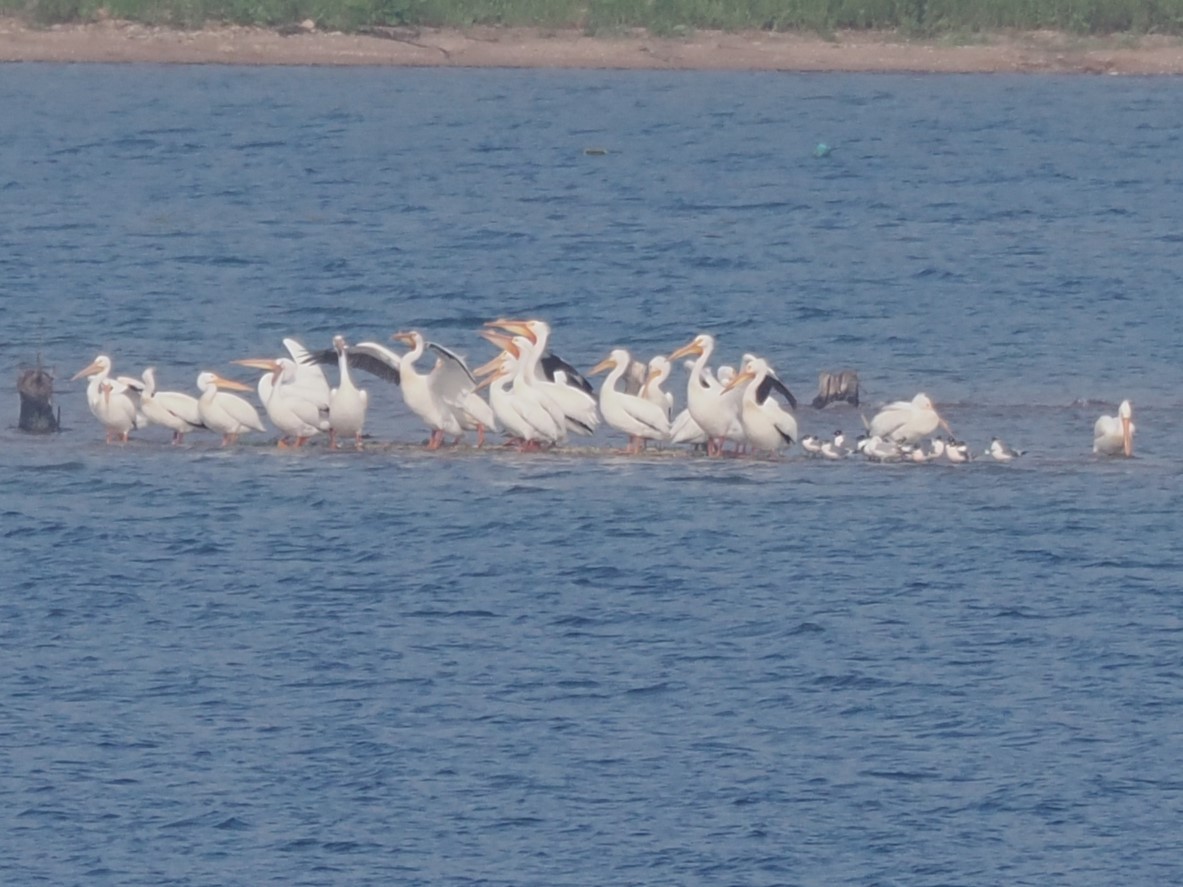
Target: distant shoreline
{"x": 1035, "y": 53}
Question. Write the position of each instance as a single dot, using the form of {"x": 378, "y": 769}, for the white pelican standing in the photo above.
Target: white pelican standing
{"x": 1114, "y": 435}
{"x": 538, "y": 332}
{"x": 517, "y": 404}
{"x": 347, "y": 402}
{"x": 767, "y": 425}
{"x": 455, "y": 383}
{"x": 310, "y": 378}
{"x": 907, "y": 421}
{"x": 299, "y": 412}
{"x": 659, "y": 372}
{"x": 174, "y": 410}
{"x": 557, "y": 381}
{"x": 109, "y": 399}
{"x": 437, "y": 395}
{"x": 715, "y": 411}
{"x": 285, "y": 381}
{"x": 683, "y": 428}
{"x": 528, "y": 379}
{"x": 227, "y": 414}
{"x": 637, "y": 417}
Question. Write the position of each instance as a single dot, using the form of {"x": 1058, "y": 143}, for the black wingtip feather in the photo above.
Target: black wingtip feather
{"x": 552, "y": 363}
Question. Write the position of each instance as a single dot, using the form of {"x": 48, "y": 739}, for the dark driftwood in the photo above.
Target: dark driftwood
{"x": 836, "y": 388}
{"x": 35, "y": 386}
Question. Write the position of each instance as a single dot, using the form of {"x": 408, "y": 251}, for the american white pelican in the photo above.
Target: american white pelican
{"x": 174, "y": 410}
{"x": 310, "y": 378}
{"x": 683, "y": 428}
{"x": 299, "y": 412}
{"x": 557, "y": 380}
{"x": 767, "y": 425}
{"x": 1001, "y": 452}
{"x": 907, "y": 421}
{"x": 450, "y": 382}
{"x": 553, "y": 387}
{"x": 419, "y": 394}
{"x": 347, "y": 402}
{"x": 1113, "y": 435}
{"x": 109, "y": 399}
{"x": 227, "y": 414}
{"x": 637, "y": 417}
{"x": 528, "y": 377}
{"x": 716, "y": 411}
{"x": 284, "y": 384}
{"x": 659, "y": 372}
{"x": 579, "y": 411}
{"x": 517, "y": 404}
{"x": 538, "y": 332}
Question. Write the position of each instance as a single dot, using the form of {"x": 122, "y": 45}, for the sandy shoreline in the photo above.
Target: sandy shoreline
{"x": 115, "y": 42}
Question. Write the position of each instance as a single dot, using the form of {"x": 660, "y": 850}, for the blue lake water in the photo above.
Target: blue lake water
{"x": 252, "y": 666}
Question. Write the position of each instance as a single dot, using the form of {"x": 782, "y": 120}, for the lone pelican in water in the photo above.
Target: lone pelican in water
{"x": 1113, "y": 435}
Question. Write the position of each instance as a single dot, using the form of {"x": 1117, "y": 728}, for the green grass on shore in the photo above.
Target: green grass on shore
{"x": 661, "y": 17}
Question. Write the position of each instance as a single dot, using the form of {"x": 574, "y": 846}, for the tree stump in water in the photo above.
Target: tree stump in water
{"x": 836, "y": 387}
{"x": 35, "y": 386}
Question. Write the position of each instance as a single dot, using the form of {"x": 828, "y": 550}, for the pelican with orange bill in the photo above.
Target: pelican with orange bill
{"x": 110, "y": 400}
{"x": 1114, "y": 435}
{"x": 227, "y": 414}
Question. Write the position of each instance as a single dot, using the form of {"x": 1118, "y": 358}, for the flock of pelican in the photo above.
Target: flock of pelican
{"x": 535, "y": 398}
